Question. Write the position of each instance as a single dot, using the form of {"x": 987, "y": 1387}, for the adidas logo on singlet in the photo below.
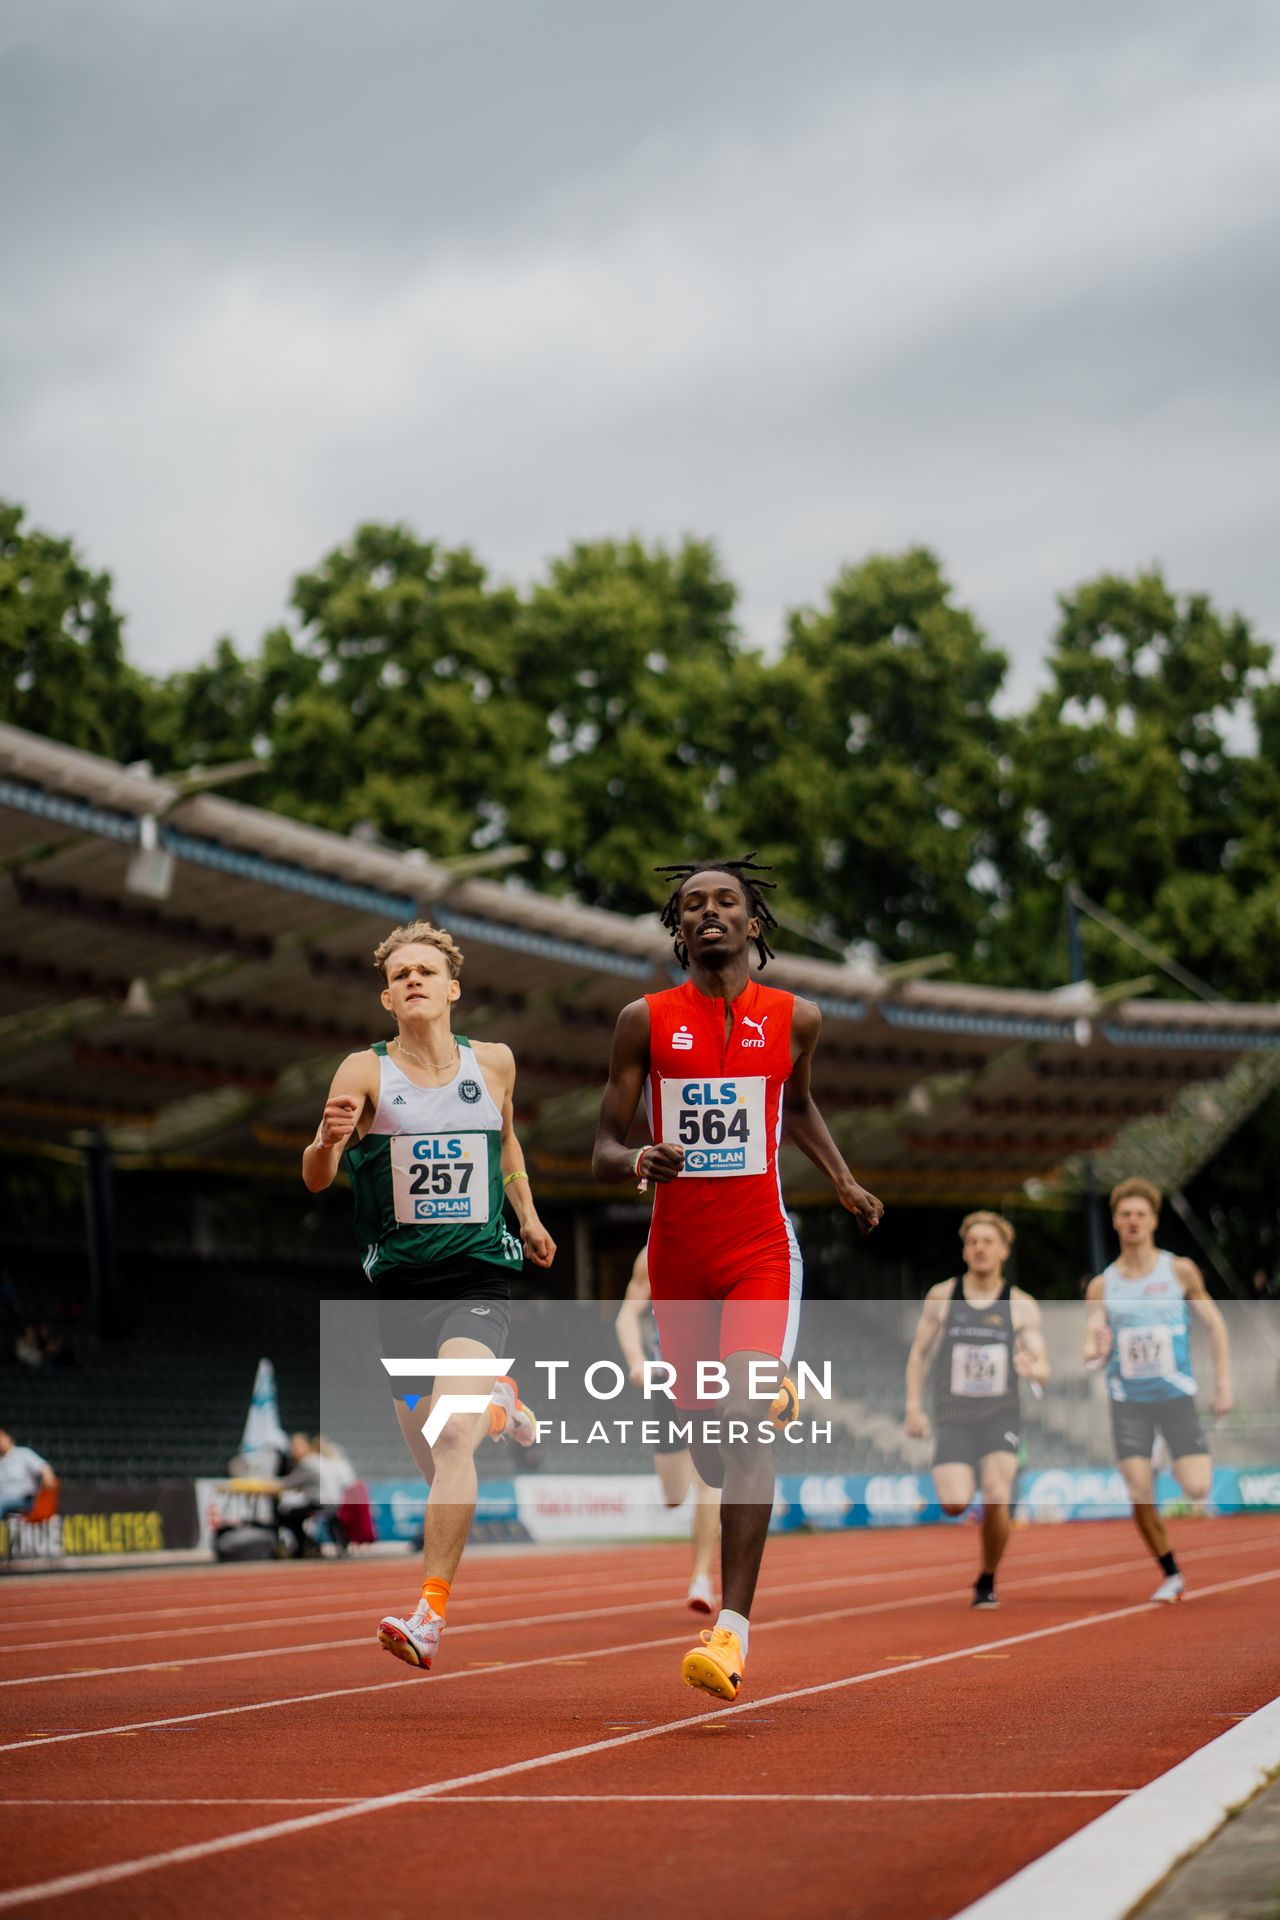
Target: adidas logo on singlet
{"x": 398, "y": 1101}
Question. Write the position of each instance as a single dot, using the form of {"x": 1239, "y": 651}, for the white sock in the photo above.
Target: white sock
{"x": 736, "y": 1623}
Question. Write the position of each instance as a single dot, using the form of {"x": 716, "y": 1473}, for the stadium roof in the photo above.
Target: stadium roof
{"x": 182, "y": 973}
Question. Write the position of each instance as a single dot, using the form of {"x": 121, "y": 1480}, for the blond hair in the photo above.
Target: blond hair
{"x": 419, "y": 933}
{"x": 1137, "y": 1189}
{"x": 997, "y": 1220}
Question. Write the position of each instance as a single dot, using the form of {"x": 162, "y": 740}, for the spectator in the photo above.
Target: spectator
{"x": 306, "y": 1492}
{"x": 1263, "y": 1285}
{"x": 22, "y": 1474}
{"x": 28, "y": 1348}
{"x": 337, "y": 1468}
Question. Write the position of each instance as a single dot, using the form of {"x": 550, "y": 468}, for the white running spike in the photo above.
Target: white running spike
{"x": 1169, "y": 1590}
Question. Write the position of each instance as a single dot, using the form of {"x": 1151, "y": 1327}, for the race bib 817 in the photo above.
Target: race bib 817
{"x": 440, "y": 1179}
{"x": 1146, "y": 1353}
{"x": 719, "y": 1123}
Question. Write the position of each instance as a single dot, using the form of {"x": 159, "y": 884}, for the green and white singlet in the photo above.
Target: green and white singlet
{"x": 427, "y": 1177}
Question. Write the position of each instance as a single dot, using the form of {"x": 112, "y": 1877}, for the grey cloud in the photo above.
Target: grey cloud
{"x": 808, "y": 280}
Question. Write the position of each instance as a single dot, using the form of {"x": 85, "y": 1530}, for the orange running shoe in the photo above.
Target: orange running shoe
{"x": 520, "y": 1423}
{"x": 715, "y": 1666}
{"x": 786, "y": 1404}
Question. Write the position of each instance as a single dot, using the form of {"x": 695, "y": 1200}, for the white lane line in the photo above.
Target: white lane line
{"x": 1109, "y": 1865}
{"x": 287, "y": 1591}
{"x": 296, "y": 1602}
{"x": 578, "y": 1656}
{"x": 160, "y": 1665}
{"x": 292, "y": 1600}
{"x": 470, "y": 1601}
{"x": 432, "y": 1790}
{"x": 600, "y": 1799}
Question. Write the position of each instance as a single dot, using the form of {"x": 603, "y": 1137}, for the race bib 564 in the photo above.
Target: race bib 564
{"x": 719, "y": 1123}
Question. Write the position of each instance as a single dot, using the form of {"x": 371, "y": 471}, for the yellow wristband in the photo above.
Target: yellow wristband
{"x": 519, "y": 1174}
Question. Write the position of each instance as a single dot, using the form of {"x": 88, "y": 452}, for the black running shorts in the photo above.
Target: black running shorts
{"x": 1135, "y": 1424}
{"x": 420, "y": 1308}
{"x": 966, "y": 1443}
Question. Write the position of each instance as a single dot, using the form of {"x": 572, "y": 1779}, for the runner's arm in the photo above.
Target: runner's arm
{"x": 1209, "y": 1314}
{"x": 612, "y": 1160}
{"x": 354, "y": 1087}
{"x": 1030, "y": 1354}
{"x": 534, "y": 1238}
{"x": 805, "y": 1127}
{"x": 926, "y": 1339}
{"x": 1097, "y": 1332}
{"x": 635, "y": 1304}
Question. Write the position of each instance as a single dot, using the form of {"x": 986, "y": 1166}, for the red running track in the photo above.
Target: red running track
{"x": 232, "y": 1742}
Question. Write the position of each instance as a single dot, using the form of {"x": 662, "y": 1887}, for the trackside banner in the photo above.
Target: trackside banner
{"x": 147, "y": 1517}
{"x": 565, "y": 1507}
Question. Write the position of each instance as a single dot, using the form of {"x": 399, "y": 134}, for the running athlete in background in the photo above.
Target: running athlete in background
{"x": 673, "y": 1462}
{"x": 1138, "y": 1328}
{"x": 990, "y": 1335}
{"x": 425, "y": 1121}
{"x": 712, "y": 1058}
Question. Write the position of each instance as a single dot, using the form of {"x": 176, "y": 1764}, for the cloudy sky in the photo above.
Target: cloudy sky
{"x": 811, "y": 279}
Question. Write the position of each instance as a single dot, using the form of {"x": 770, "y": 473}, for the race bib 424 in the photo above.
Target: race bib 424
{"x": 719, "y": 1123}
{"x": 440, "y": 1178}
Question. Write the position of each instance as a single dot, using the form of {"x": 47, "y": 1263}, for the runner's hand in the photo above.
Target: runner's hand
{"x": 1097, "y": 1345}
{"x": 341, "y": 1111}
{"x": 1223, "y": 1400}
{"x": 537, "y": 1243}
{"x": 635, "y": 1373}
{"x": 662, "y": 1163}
{"x": 916, "y": 1424}
{"x": 865, "y": 1208}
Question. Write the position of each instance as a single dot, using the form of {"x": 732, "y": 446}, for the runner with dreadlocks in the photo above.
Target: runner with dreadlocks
{"x": 712, "y": 1057}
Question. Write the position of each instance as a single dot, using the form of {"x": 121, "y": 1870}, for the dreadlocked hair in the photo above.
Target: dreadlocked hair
{"x": 744, "y": 871}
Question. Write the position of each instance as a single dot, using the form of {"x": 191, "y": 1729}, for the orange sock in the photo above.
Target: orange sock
{"x": 497, "y": 1420}
{"x": 436, "y": 1595}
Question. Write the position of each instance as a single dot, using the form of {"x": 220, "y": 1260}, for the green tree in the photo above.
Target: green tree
{"x": 1139, "y": 787}
{"x": 399, "y": 706}
{"x": 63, "y": 672}
{"x": 632, "y": 656}
{"x": 877, "y": 762}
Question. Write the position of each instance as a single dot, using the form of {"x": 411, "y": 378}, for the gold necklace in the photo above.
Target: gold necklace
{"x": 432, "y": 1066}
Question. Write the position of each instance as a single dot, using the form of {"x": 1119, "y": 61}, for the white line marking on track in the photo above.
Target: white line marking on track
{"x": 595, "y": 1799}
{"x": 543, "y": 1660}
{"x": 1109, "y": 1865}
{"x": 436, "y": 1789}
{"x": 1060, "y": 1575}
{"x": 296, "y": 1603}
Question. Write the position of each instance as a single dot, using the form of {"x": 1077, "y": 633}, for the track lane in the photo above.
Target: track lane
{"x": 680, "y": 1750}
{"x": 387, "y": 1733}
